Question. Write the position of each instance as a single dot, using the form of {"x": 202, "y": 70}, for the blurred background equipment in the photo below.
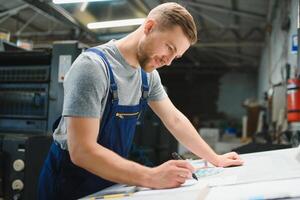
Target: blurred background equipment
{"x": 31, "y": 98}
{"x": 31, "y": 92}
{"x": 21, "y": 162}
{"x": 4, "y": 35}
{"x": 24, "y": 78}
{"x": 293, "y": 109}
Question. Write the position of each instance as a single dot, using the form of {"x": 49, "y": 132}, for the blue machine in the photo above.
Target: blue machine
{"x": 31, "y": 98}
{"x": 31, "y": 91}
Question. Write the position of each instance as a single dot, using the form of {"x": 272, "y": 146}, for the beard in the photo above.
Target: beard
{"x": 144, "y": 58}
{"x": 144, "y": 62}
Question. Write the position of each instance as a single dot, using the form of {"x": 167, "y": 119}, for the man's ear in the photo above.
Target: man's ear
{"x": 149, "y": 25}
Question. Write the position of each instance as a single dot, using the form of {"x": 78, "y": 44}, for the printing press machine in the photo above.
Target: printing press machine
{"x": 31, "y": 98}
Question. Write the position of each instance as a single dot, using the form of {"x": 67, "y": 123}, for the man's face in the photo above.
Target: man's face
{"x": 160, "y": 47}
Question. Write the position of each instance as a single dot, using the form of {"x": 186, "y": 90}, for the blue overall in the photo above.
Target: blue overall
{"x": 61, "y": 179}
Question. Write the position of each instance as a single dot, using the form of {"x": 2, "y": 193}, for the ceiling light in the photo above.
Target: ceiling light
{"x": 75, "y": 1}
{"x": 116, "y": 23}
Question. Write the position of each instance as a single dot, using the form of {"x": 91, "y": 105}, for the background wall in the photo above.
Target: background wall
{"x": 235, "y": 87}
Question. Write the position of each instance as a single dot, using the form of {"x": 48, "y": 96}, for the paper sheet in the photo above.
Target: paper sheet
{"x": 260, "y": 167}
{"x": 191, "y": 190}
{"x": 260, "y": 190}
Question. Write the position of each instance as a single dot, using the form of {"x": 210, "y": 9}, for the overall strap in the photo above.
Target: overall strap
{"x": 144, "y": 88}
{"x": 113, "y": 85}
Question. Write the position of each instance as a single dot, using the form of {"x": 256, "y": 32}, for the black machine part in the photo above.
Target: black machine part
{"x": 24, "y": 156}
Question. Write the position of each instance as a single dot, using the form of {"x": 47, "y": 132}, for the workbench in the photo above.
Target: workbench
{"x": 264, "y": 175}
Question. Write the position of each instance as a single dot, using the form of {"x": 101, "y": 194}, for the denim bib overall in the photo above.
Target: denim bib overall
{"x": 61, "y": 179}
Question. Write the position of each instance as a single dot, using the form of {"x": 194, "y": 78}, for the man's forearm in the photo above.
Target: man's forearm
{"x": 184, "y": 132}
{"x": 108, "y": 165}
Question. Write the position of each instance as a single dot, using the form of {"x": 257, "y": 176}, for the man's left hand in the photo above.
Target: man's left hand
{"x": 229, "y": 159}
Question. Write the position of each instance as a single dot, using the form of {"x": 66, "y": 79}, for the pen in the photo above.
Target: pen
{"x": 178, "y": 157}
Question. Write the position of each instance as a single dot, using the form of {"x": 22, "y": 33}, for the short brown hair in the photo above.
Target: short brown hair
{"x": 170, "y": 14}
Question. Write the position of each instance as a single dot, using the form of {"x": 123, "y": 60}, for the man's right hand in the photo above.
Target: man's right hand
{"x": 170, "y": 174}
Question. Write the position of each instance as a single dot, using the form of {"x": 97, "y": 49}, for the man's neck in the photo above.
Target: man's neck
{"x": 128, "y": 48}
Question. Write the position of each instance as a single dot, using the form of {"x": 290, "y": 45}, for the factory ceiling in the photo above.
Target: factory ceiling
{"x": 231, "y": 33}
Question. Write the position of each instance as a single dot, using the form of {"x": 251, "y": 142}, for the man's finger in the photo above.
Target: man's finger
{"x": 235, "y": 162}
{"x": 185, "y": 173}
{"x": 233, "y": 155}
{"x": 180, "y": 180}
{"x": 184, "y": 164}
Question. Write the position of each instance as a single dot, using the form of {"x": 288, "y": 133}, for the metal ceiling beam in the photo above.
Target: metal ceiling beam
{"x": 12, "y": 13}
{"x": 207, "y": 68}
{"x": 208, "y": 18}
{"x": 27, "y": 23}
{"x": 14, "y": 10}
{"x": 212, "y": 20}
{"x": 252, "y": 31}
{"x": 209, "y": 65}
{"x": 207, "y": 6}
{"x": 43, "y": 34}
{"x": 19, "y": 19}
{"x": 230, "y": 44}
{"x": 61, "y": 15}
{"x": 219, "y": 33}
{"x": 236, "y": 20}
{"x": 237, "y": 34}
{"x": 46, "y": 15}
{"x": 201, "y": 14}
{"x": 252, "y": 59}
{"x": 191, "y": 55}
{"x": 3, "y": 19}
{"x": 140, "y": 5}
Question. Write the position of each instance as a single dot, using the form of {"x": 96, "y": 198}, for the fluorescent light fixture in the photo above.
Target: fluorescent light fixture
{"x": 75, "y": 1}
{"x": 116, "y": 23}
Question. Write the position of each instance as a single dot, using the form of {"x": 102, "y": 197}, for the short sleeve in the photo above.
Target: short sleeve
{"x": 85, "y": 88}
{"x": 156, "y": 89}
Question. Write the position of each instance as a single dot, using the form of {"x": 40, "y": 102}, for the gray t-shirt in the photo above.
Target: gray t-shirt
{"x": 86, "y": 86}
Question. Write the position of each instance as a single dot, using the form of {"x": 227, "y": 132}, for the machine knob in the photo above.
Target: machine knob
{"x": 17, "y": 197}
{"x": 17, "y": 185}
{"x": 18, "y": 165}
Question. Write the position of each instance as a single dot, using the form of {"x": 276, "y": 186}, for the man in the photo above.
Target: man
{"x": 106, "y": 90}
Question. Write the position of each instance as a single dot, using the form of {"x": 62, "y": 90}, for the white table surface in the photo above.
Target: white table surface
{"x": 264, "y": 175}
